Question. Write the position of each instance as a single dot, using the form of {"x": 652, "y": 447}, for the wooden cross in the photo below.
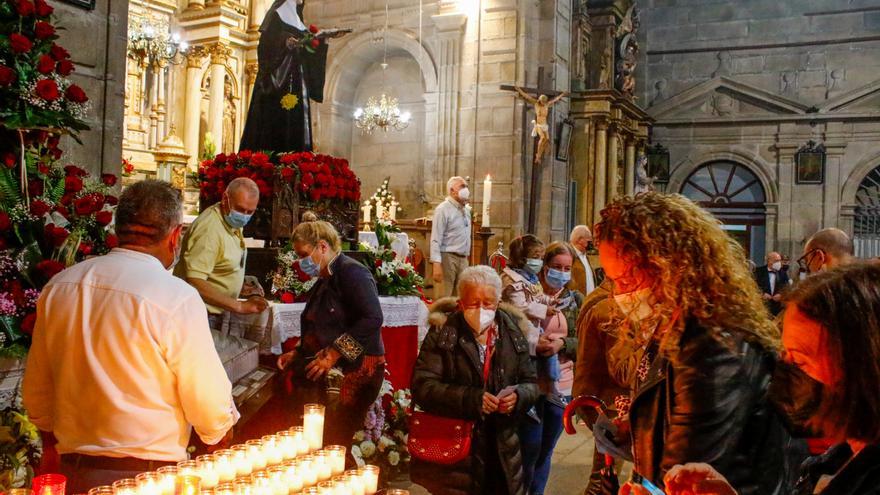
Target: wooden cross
{"x": 535, "y": 168}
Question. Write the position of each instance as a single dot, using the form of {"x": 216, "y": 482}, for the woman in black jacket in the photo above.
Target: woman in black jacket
{"x": 696, "y": 343}
{"x": 828, "y": 384}
{"x": 341, "y": 331}
{"x": 448, "y": 381}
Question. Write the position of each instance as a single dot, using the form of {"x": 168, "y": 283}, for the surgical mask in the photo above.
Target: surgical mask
{"x": 776, "y": 266}
{"x": 309, "y": 267}
{"x": 556, "y": 278}
{"x": 464, "y": 194}
{"x": 635, "y": 304}
{"x": 177, "y": 252}
{"x": 237, "y": 219}
{"x": 797, "y": 397}
{"x": 479, "y": 318}
{"x": 534, "y": 265}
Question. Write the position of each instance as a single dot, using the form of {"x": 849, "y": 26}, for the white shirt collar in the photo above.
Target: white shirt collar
{"x": 137, "y": 254}
{"x": 288, "y": 14}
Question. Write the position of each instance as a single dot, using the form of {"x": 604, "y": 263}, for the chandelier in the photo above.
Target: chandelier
{"x": 146, "y": 44}
{"x": 382, "y": 112}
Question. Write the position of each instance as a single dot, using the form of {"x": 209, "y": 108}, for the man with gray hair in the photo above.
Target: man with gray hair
{"x": 451, "y": 236}
{"x": 214, "y": 253}
{"x": 122, "y": 361}
{"x": 825, "y": 250}
{"x": 582, "y": 279}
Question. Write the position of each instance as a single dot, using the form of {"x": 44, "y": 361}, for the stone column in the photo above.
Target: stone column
{"x": 250, "y": 72}
{"x": 630, "y": 175}
{"x": 611, "y": 178}
{"x": 192, "y": 112}
{"x": 219, "y": 54}
{"x": 600, "y": 166}
{"x": 450, "y": 30}
{"x": 160, "y": 99}
{"x": 153, "y": 138}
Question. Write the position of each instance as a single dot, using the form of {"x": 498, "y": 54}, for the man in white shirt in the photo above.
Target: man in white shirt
{"x": 582, "y": 279}
{"x": 122, "y": 361}
{"x": 451, "y": 236}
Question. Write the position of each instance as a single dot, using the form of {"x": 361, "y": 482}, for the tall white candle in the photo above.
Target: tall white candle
{"x": 370, "y": 477}
{"x": 394, "y": 205}
{"x": 313, "y": 425}
{"x": 380, "y": 210}
{"x": 366, "y": 209}
{"x": 487, "y": 198}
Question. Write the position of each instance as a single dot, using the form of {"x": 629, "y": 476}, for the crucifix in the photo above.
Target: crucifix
{"x": 542, "y": 101}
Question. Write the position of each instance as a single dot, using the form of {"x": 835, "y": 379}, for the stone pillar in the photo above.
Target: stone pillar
{"x": 630, "y": 175}
{"x": 450, "y": 29}
{"x": 250, "y": 72}
{"x": 153, "y": 138}
{"x": 160, "y": 99}
{"x": 219, "y": 54}
{"x": 191, "y": 120}
{"x": 611, "y": 178}
{"x": 599, "y": 185}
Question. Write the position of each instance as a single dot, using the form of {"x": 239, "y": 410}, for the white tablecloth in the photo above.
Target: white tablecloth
{"x": 282, "y": 321}
{"x": 400, "y": 243}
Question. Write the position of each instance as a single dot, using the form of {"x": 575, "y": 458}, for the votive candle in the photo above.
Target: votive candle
{"x": 186, "y": 484}
{"x": 336, "y": 455}
{"x": 313, "y": 425}
{"x": 370, "y": 475}
{"x": 355, "y": 482}
{"x": 149, "y": 484}
{"x": 224, "y": 465}
{"x": 256, "y": 454}
{"x": 241, "y": 460}
{"x": 127, "y": 486}
{"x": 309, "y": 471}
{"x": 168, "y": 473}
{"x": 272, "y": 450}
{"x": 322, "y": 464}
{"x": 287, "y": 444}
{"x": 299, "y": 439}
{"x": 207, "y": 471}
{"x": 278, "y": 480}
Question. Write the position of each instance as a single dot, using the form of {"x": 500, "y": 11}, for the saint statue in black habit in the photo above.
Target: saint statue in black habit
{"x": 292, "y": 60}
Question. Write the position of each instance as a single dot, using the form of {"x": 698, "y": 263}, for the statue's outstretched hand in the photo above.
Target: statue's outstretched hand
{"x": 333, "y": 33}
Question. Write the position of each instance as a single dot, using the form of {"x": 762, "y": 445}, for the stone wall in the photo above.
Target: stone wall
{"x": 752, "y": 82}
{"x": 96, "y": 40}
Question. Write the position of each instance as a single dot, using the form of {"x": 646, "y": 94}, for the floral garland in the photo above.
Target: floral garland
{"x": 382, "y": 442}
{"x": 20, "y": 448}
{"x": 289, "y": 283}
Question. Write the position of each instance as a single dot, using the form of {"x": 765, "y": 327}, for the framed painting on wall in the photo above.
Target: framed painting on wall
{"x": 810, "y": 164}
{"x": 563, "y": 143}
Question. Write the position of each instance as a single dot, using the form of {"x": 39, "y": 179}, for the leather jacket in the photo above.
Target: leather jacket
{"x": 710, "y": 405}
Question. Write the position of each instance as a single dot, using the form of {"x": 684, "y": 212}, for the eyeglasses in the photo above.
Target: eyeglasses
{"x": 806, "y": 260}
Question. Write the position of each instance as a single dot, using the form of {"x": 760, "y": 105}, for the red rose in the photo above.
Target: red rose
{"x": 56, "y": 235}
{"x": 43, "y": 30}
{"x": 19, "y": 43}
{"x": 287, "y": 173}
{"x": 40, "y": 208}
{"x": 313, "y": 29}
{"x": 62, "y": 210}
{"x": 378, "y": 263}
{"x": 219, "y": 158}
{"x": 28, "y": 323}
{"x": 73, "y": 184}
{"x": 7, "y": 76}
{"x": 287, "y": 298}
{"x": 111, "y": 241}
{"x": 76, "y": 94}
{"x": 111, "y": 200}
{"x": 85, "y": 248}
{"x": 46, "y": 64}
{"x": 47, "y": 89}
{"x": 10, "y": 160}
{"x": 316, "y": 42}
{"x": 287, "y": 159}
{"x": 42, "y": 168}
{"x": 24, "y": 8}
{"x": 260, "y": 158}
{"x": 308, "y": 179}
{"x": 402, "y": 272}
{"x": 245, "y": 154}
{"x": 87, "y": 205}
{"x": 108, "y": 179}
{"x": 50, "y": 268}
{"x": 104, "y": 217}
{"x": 43, "y": 8}
{"x": 74, "y": 171}
{"x": 5, "y": 222}
{"x": 64, "y": 67}
{"x": 315, "y": 194}
{"x": 59, "y": 53}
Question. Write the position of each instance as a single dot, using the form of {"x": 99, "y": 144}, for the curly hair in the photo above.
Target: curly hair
{"x": 694, "y": 268}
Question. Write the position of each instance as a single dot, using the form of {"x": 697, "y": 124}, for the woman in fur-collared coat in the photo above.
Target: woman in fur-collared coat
{"x": 448, "y": 381}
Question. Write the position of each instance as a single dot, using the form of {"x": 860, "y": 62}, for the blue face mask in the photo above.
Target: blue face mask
{"x": 308, "y": 265}
{"x": 534, "y": 265}
{"x": 556, "y": 278}
{"x": 236, "y": 219}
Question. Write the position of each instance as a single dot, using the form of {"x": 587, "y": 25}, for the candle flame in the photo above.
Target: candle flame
{"x": 488, "y": 177}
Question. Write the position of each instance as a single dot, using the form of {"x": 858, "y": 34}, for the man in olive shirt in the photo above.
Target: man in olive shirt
{"x": 214, "y": 253}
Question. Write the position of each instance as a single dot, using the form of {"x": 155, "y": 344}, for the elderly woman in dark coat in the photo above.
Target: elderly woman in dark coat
{"x": 448, "y": 381}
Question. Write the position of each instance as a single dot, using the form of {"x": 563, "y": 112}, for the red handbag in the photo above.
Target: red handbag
{"x": 443, "y": 440}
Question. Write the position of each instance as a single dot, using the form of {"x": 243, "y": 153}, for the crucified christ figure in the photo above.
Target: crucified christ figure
{"x": 540, "y": 129}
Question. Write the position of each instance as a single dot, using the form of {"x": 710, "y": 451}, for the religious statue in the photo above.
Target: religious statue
{"x": 644, "y": 183}
{"x": 540, "y": 128}
{"x": 228, "y": 118}
{"x": 292, "y": 59}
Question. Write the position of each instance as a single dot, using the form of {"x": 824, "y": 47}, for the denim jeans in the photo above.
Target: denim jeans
{"x": 537, "y": 442}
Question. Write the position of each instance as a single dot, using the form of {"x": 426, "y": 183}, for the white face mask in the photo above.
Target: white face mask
{"x": 464, "y": 194}
{"x": 635, "y": 305}
{"x": 479, "y": 318}
{"x": 776, "y": 266}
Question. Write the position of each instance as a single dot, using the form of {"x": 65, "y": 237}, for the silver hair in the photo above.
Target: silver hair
{"x": 147, "y": 212}
{"x": 578, "y": 232}
{"x": 480, "y": 275}
{"x": 452, "y": 180}
{"x": 242, "y": 184}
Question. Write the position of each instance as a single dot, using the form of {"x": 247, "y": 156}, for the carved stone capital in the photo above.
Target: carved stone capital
{"x": 195, "y": 56}
{"x": 251, "y": 70}
{"x": 219, "y": 53}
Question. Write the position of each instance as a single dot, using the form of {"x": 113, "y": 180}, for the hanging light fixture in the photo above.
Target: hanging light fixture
{"x": 382, "y": 112}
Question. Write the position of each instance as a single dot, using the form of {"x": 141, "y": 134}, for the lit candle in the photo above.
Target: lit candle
{"x": 336, "y": 456}
{"x": 271, "y": 450}
{"x": 299, "y": 439}
{"x": 149, "y": 484}
{"x": 225, "y": 489}
{"x": 370, "y": 477}
{"x": 322, "y": 464}
{"x": 313, "y": 425}
{"x": 207, "y": 472}
{"x": 380, "y": 210}
{"x": 244, "y": 486}
{"x": 327, "y": 488}
{"x": 126, "y": 486}
{"x": 309, "y": 471}
{"x": 355, "y": 482}
{"x": 224, "y": 465}
{"x": 366, "y": 209}
{"x": 186, "y": 485}
{"x": 293, "y": 475}
{"x": 262, "y": 484}
{"x": 487, "y": 198}
{"x": 394, "y": 205}
{"x": 241, "y": 460}
{"x": 278, "y": 480}
{"x": 256, "y": 454}
{"x": 187, "y": 468}
{"x": 168, "y": 474}
{"x": 287, "y": 444}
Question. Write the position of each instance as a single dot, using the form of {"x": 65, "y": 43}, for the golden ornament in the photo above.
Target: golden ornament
{"x": 289, "y": 101}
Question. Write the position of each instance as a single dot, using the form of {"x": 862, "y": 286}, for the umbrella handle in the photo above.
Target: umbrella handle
{"x": 572, "y": 407}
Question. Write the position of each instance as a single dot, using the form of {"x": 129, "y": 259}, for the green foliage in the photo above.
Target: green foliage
{"x": 9, "y": 189}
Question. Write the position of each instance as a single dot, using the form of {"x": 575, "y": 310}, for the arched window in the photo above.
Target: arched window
{"x": 724, "y": 184}
{"x": 866, "y": 225}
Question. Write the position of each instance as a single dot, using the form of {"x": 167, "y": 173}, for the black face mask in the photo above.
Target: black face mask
{"x": 797, "y": 397}
{"x": 590, "y": 247}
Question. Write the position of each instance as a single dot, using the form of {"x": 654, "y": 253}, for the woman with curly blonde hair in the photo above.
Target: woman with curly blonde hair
{"x": 697, "y": 344}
